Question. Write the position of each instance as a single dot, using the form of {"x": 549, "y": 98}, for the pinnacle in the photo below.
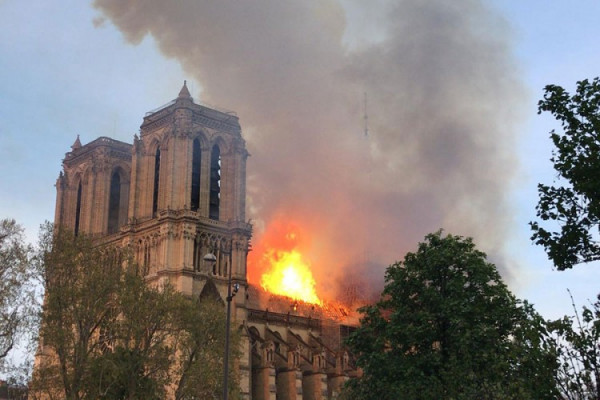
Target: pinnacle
{"x": 184, "y": 92}
{"x": 77, "y": 144}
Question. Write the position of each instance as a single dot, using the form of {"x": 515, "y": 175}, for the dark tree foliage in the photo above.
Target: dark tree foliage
{"x": 200, "y": 364}
{"x": 447, "y": 327}
{"x": 19, "y": 307}
{"x": 577, "y": 340}
{"x": 574, "y": 208}
{"x": 571, "y": 210}
{"x": 106, "y": 334}
{"x": 121, "y": 374}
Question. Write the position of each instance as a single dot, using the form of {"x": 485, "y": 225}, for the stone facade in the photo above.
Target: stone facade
{"x": 177, "y": 194}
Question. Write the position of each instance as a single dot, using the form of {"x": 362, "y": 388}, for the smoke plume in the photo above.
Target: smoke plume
{"x": 442, "y": 94}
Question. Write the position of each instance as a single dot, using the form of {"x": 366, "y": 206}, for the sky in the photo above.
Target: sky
{"x": 454, "y": 141}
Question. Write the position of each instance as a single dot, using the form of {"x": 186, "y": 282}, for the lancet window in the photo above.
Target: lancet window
{"x": 114, "y": 202}
{"x": 215, "y": 183}
{"x": 156, "y": 182}
{"x": 78, "y": 210}
{"x": 196, "y": 166}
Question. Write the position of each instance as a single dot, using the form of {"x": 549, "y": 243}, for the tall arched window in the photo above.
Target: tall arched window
{"x": 196, "y": 165}
{"x": 146, "y": 259}
{"x": 78, "y": 210}
{"x": 215, "y": 183}
{"x": 114, "y": 202}
{"x": 156, "y": 180}
{"x": 196, "y": 258}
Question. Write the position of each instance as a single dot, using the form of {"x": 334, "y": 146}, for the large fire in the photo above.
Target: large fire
{"x": 279, "y": 263}
{"x": 289, "y": 276}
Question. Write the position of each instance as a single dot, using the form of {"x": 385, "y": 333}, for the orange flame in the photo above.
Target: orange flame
{"x": 289, "y": 276}
{"x": 279, "y": 262}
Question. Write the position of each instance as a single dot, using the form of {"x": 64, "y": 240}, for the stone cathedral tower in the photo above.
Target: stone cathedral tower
{"x": 174, "y": 197}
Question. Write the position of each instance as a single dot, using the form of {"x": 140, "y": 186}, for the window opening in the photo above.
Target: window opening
{"x": 196, "y": 165}
{"x": 215, "y": 183}
{"x": 156, "y": 181}
{"x": 114, "y": 202}
{"x": 78, "y": 210}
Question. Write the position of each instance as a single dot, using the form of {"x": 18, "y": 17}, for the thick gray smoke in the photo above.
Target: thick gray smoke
{"x": 442, "y": 99}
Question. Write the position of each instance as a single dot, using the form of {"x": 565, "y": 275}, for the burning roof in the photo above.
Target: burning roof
{"x": 260, "y": 299}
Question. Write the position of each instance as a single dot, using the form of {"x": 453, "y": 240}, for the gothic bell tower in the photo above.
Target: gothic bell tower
{"x": 176, "y": 199}
{"x": 187, "y": 197}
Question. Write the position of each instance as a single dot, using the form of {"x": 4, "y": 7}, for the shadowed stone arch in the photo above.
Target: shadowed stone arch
{"x": 210, "y": 292}
{"x": 156, "y": 154}
{"x": 78, "y": 201}
{"x": 215, "y": 182}
{"x": 222, "y": 142}
{"x": 198, "y": 147}
{"x": 118, "y": 199}
{"x": 202, "y": 137}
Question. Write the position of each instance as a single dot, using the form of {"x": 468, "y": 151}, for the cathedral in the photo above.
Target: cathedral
{"x": 177, "y": 198}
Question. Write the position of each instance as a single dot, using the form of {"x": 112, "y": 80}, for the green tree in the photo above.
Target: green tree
{"x": 138, "y": 341}
{"x": 447, "y": 327}
{"x": 106, "y": 334}
{"x": 571, "y": 210}
{"x": 201, "y": 349}
{"x": 81, "y": 283}
{"x": 120, "y": 374}
{"x": 577, "y": 341}
{"x": 571, "y": 213}
{"x": 18, "y": 305}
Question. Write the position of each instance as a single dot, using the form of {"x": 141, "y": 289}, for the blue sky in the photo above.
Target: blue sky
{"x": 61, "y": 75}
{"x": 555, "y": 43}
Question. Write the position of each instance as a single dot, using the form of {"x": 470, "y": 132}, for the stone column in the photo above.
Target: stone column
{"x": 314, "y": 382}
{"x": 289, "y": 380}
{"x": 339, "y": 376}
{"x": 263, "y": 374}
{"x": 289, "y": 384}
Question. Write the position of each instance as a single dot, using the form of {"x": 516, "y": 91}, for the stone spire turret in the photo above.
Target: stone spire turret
{"x": 77, "y": 144}
{"x": 184, "y": 92}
